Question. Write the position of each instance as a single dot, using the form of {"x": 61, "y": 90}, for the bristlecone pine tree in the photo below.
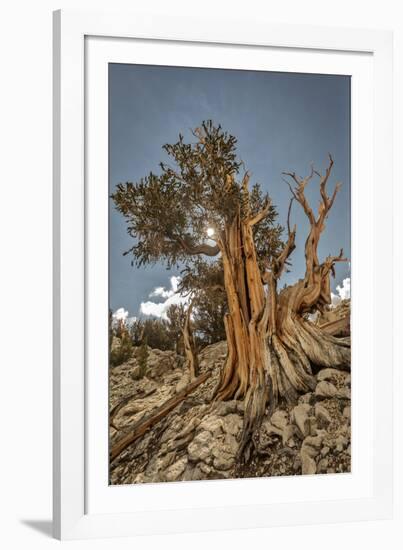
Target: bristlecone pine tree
{"x": 201, "y": 204}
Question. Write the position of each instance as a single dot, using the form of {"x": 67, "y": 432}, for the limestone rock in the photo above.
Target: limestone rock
{"x": 288, "y": 435}
{"x": 341, "y": 443}
{"x": 174, "y": 471}
{"x": 183, "y": 382}
{"x": 308, "y": 465}
{"x": 200, "y": 447}
{"x": 279, "y": 419}
{"x": 347, "y": 412}
{"x": 322, "y": 465}
{"x": 322, "y": 415}
{"x": 325, "y": 389}
{"x": 223, "y": 462}
{"x": 300, "y": 417}
{"x": 199, "y": 439}
{"x": 232, "y": 424}
{"x": 324, "y": 451}
{"x": 329, "y": 374}
{"x": 344, "y": 393}
{"x": 212, "y": 424}
{"x": 312, "y": 445}
{"x": 307, "y": 398}
{"x": 226, "y": 407}
{"x": 309, "y": 450}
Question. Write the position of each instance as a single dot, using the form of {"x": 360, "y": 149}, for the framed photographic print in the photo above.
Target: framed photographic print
{"x": 218, "y": 275}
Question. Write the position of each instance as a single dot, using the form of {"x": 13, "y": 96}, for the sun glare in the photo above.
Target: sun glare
{"x": 210, "y": 231}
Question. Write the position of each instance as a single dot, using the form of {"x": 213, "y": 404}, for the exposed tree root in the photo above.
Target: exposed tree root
{"x": 340, "y": 327}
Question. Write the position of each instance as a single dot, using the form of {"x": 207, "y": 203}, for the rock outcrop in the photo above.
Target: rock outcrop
{"x": 199, "y": 439}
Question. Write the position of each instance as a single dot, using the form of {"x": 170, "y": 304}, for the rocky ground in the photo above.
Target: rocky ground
{"x": 199, "y": 438}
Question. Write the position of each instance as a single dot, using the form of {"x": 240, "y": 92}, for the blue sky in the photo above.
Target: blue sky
{"x": 283, "y": 122}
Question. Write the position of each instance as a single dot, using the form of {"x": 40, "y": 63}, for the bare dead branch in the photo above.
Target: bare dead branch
{"x": 189, "y": 343}
{"x": 281, "y": 261}
{"x": 289, "y": 215}
{"x": 299, "y": 193}
{"x": 327, "y": 202}
{"x": 245, "y": 181}
{"x": 260, "y": 215}
{"x": 328, "y": 264}
{"x": 290, "y": 187}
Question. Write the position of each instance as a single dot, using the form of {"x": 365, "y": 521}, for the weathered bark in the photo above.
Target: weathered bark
{"x": 189, "y": 345}
{"x": 271, "y": 345}
{"x": 144, "y": 424}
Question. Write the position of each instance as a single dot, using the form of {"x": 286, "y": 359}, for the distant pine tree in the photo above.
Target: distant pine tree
{"x": 142, "y": 358}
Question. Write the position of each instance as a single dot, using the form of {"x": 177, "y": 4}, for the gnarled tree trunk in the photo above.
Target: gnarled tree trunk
{"x": 189, "y": 345}
{"x": 271, "y": 342}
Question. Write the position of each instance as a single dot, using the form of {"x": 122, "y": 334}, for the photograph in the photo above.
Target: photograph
{"x": 229, "y": 274}
{"x": 202, "y": 210}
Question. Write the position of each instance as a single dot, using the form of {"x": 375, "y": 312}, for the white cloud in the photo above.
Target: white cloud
{"x": 120, "y": 314}
{"x": 343, "y": 292}
{"x": 160, "y": 291}
{"x": 159, "y": 309}
{"x": 163, "y": 292}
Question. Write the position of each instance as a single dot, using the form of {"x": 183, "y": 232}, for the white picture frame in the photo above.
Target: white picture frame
{"x": 84, "y": 505}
